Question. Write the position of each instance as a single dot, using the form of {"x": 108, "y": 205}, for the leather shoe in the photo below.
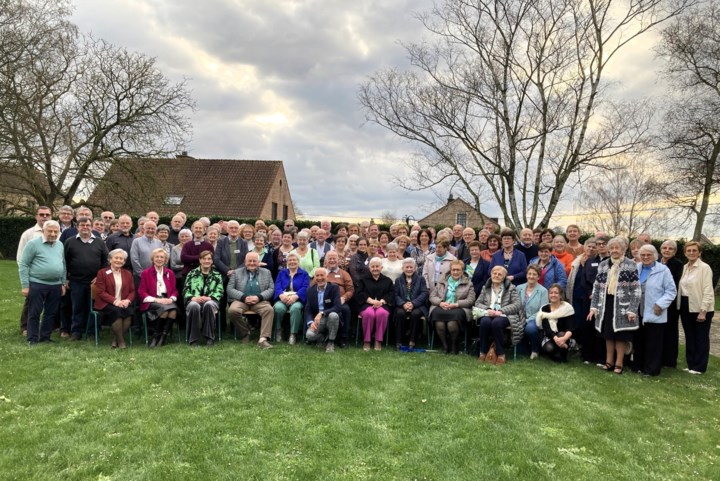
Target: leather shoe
{"x": 500, "y": 360}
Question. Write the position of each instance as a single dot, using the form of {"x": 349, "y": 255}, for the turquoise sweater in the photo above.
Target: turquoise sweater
{"x": 42, "y": 263}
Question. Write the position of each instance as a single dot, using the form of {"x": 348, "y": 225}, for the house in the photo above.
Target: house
{"x": 456, "y": 211}
{"x": 239, "y": 189}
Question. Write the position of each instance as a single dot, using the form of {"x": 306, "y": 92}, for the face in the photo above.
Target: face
{"x": 331, "y": 260}
{"x": 117, "y": 261}
{"x": 163, "y": 235}
{"x": 384, "y": 239}
{"x": 153, "y": 216}
{"x": 373, "y": 231}
{"x": 646, "y": 258}
{"x": 259, "y": 243}
{"x": 276, "y": 237}
{"x": 402, "y": 231}
{"x": 354, "y": 230}
{"x": 409, "y": 269}
{"x": 497, "y": 275}
{"x": 340, "y": 244}
{"x": 616, "y": 251}
{"x": 493, "y": 244}
{"x": 83, "y": 212}
{"x": 42, "y": 215}
{"x": 544, "y": 255}
{"x": 292, "y": 262}
{"x": 474, "y": 253}
{"x": 402, "y": 244}
{"x": 114, "y": 228}
{"x": 536, "y": 237}
{"x": 483, "y": 236}
{"x": 590, "y": 250}
{"x": 554, "y": 295}
{"x": 321, "y": 235}
{"x": 667, "y": 251}
{"x": 287, "y": 239}
{"x": 393, "y": 231}
{"x": 440, "y": 250}
{"x": 124, "y": 224}
{"x": 107, "y": 216}
{"x": 547, "y": 237}
{"x": 468, "y": 235}
{"x": 559, "y": 244}
{"x": 392, "y": 254}
{"x": 176, "y": 222}
{"x": 51, "y": 233}
{"x": 99, "y": 225}
{"x": 149, "y": 229}
{"x": 456, "y": 271}
{"x": 644, "y": 239}
{"x": 424, "y": 238}
{"x": 457, "y": 231}
{"x": 532, "y": 277}
{"x": 85, "y": 229}
{"x": 65, "y": 216}
{"x": 185, "y": 238}
{"x": 526, "y": 236}
{"x": 320, "y": 277}
{"x": 325, "y": 225}
{"x": 251, "y": 261}
{"x": 233, "y": 230}
{"x": 634, "y": 251}
{"x": 212, "y": 235}
{"x": 573, "y": 233}
{"x": 373, "y": 247}
{"x": 602, "y": 248}
{"x": 692, "y": 253}
{"x": 302, "y": 241}
{"x": 489, "y": 226}
{"x": 247, "y": 233}
{"x": 206, "y": 262}
{"x": 375, "y": 268}
{"x": 159, "y": 259}
{"x": 342, "y": 231}
{"x": 507, "y": 242}
{"x": 362, "y": 246}
{"x": 313, "y": 231}
{"x": 198, "y": 230}
{"x": 289, "y": 223}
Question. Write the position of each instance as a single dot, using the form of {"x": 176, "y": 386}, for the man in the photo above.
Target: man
{"x": 313, "y": 232}
{"x": 526, "y": 245}
{"x": 462, "y": 251}
{"x": 107, "y": 217}
{"x": 644, "y": 239}
{"x": 289, "y": 223}
{"x": 490, "y": 226}
{"x": 373, "y": 232}
{"x": 66, "y": 216}
{"x": 342, "y": 279}
{"x": 320, "y": 245}
{"x": 141, "y": 250}
{"x": 42, "y": 278}
{"x": 176, "y": 225}
{"x": 42, "y": 215}
{"x": 457, "y": 237}
{"x": 321, "y": 311}
{"x": 153, "y": 216}
{"x": 251, "y": 288}
{"x": 364, "y": 227}
{"x": 85, "y": 255}
{"x": 82, "y": 211}
{"x": 122, "y": 239}
{"x": 326, "y": 225}
{"x": 229, "y": 255}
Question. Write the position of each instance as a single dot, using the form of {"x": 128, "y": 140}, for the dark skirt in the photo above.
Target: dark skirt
{"x": 608, "y": 331}
{"x": 155, "y": 310}
{"x": 112, "y": 313}
{"x": 441, "y": 315}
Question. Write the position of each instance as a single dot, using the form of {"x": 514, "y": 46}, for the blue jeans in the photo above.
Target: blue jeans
{"x": 42, "y": 298}
{"x": 80, "y": 298}
{"x": 532, "y": 334}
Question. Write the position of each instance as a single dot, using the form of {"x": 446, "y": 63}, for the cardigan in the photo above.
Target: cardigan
{"x": 148, "y": 285}
{"x": 301, "y": 281}
{"x": 381, "y": 289}
{"x": 700, "y": 293}
{"x": 627, "y": 295}
{"x": 516, "y": 266}
{"x": 531, "y": 306}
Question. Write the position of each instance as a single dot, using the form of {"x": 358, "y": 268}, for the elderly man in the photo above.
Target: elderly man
{"x": 326, "y": 225}
{"x": 289, "y": 223}
{"x": 342, "y": 279}
{"x": 42, "y": 215}
{"x": 251, "y": 288}
{"x": 85, "y": 255}
{"x": 462, "y": 250}
{"x": 122, "y": 239}
{"x": 153, "y": 216}
{"x": 457, "y": 237}
{"x": 82, "y": 211}
{"x": 526, "y": 245}
{"x": 176, "y": 225}
{"x": 66, "y": 218}
{"x": 229, "y": 255}
{"x": 141, "y": 249}
{"x": 322, "y": 311}
{"x": 107, "y": 217}
{"x": 321, "y": 245}
{"x": 42, "y": 279}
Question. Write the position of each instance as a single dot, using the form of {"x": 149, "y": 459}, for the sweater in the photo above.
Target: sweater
{"x": 42, "y": 262}
{"x": 627, "y": 295}
{"x": 84, "y": 259}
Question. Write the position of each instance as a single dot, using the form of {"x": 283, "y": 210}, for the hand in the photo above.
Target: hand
{"x": 657, "y": 310}
{"x": 446, "y": 306}
{"x": 591, "y": 315}
{"x": 230, "y": 272}
{"x": 631, "y": 317}
{"x": 25, "y": 291}
{"x": 408, "y": 306}
{"x": 252, "y": 300}
{"x": 342, "y": 299}
{"x": 197, "y": 299}
{"x": 63, "y": 291}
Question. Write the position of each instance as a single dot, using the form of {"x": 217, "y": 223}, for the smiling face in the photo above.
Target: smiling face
{"x": 559, "y": 244}
{"x": 362, "y": 245}
{"x": 456, "y": 271}
{"x": 616, "y": 251}
{"x": 544, "y": 255}
{"x": 158, "y": 259}
{"x": 554, "y": 295}
{"x": 206, "y": 261}
{"x": 493, "y": 244}
{"x": 590, "y": 250}
{"x": 668, "y": 251}
{"x": 84, "y": 229}
{"x": 117, "y": 261}
{"x": 532, "y": 277}
{"x": 409, "y": 269}
{"x": 292, "y": 263}
{"x": 375, "y": 268}
{"x": 497, "y": 275}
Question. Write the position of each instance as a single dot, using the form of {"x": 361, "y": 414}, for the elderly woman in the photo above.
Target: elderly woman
{"x": 177, "y": 267}
{"x": 697, "y": 305}
{"x": 635, "y": 250}
{"x": 375, "y": 294}
{"x": 392, "y": 265}
{"x": 547, "y": 235}
{"x": 423, "y": 249}
{"x": 163, "y": 233}
{"x": 411, "y": 295}
{"x": 213, "y": 234}
{"x": 280, "y": 254}
{"x": 510, "y": 258}
{"x": 359, "y": 261}
{"x": 203, "y": 290}
{"x": 551, "y": 270}
{"x": 190, "y": 254}
{"x": 556, "y": 319}
{"x": 498, "y": 307}
{"x": 247, "y": 232}
{"x": 493, "y": 245}
{"x": 403, "y": 243}
{"x": 158, "y": 296}
{"x": 668, "y": 249}
{"x": 615, "y": 303}
{"x": 290, "y": 296}
{"x": 533, "y": 296}
{"x": 437, "y": 264}
{"x": 309, "y": 257}
{"x": 114, "y": 296}
{"x": 451, "y": 301}
{"x": 261, "y": 249}
{"x": 561, "y": 253}
{"x": 658, "y": 293}
{"x": 384, "y": 238}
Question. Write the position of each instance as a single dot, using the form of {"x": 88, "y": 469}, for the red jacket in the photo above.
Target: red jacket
{"x": 105, "y": 287}
{"x": 148, "y": 285}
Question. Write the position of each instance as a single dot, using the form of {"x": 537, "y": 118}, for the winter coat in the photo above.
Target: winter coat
{"x": 658, "y": 289}
{"x": 510, "y": 305}
{"x": 464, "y": 294}
{"x": 627, "y": 295}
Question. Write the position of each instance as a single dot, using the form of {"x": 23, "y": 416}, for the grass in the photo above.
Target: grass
{"x": 74, "y": 412}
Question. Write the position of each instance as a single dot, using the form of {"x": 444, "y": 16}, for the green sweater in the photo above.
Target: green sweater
{"x": 42, "y": 262}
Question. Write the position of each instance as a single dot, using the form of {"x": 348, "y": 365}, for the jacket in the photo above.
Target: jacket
{"x": 382, "y": 289}
{"x": 509, "y": 304}
{"x": 197, "y": 285}
{"x": 105, "y": 287}
{"x": 148, "y": 285}
{"x": 555, "y": 273}
{"x": 700, "y": 295}
{"x": 301, "y": 282}
{"x": 429, "y": 268}
{"x": 516, "y": 266}
{"x": 627, "y": 295}
{"x": 531, "y": 306}
{"x": 331, "y": 301}
{"x": 419, "y": 293}
{"x": 238, "y": 281}
{"x": 221, "y": 257}
{"x": 658, "y": 289}
{"x": 464, "y": 294}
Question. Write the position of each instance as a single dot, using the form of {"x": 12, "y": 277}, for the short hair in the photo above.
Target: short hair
{"x": 185, "y": 231}
{"x": 341, "y": 226}
{"x": 572, "y": 226}
{"x": 51, "y": 223}
{"x": 65, "y": 208}
{"x": 562, "y": 236}
{"x": 649, "y": 248}
{"x": 443, "y": 241}
{"x": 321, "y": 269}
{"x": 205, "y": 253}
{"x": 303, "y": 235}
{"x": 457, "y": 262}
{"x": 671, "y": 243}
{"x": 559, "y": 289}
{"x": 197, "y": 222}
{"x": 158, "y": 250}
{"x": 474, "y": 243}
{"x": 494, "y": 237}
{"x": 360, "y": 239}
{"x": 353, "y": 237}
{"x": 602, "y": 238}
{"x": 213, "y": 228}
{"x": 84, "y": 219}
{"x": 401, "y": 238}
{"x": 392, "y": 246}
{"x": 499, "y": 268}
{"x": 409, "y": 260}
{"x": 375, "y": 260}
{"x": 689, "y": 244}
{"x": 620, "y": 241}
{"x": 534, "y": 267}
{"x": 544, "y": 246}
{"x": 293, "y": 254}
{"x": 547, "y": 231}
{"x": 260, "y": 235}
{"x": 590, "y": 240}
{"x": 508, "y": 233}
{"x": 233, "y": 223}
{"x": 163, "y": 227}
{"x": 115, "y": 252}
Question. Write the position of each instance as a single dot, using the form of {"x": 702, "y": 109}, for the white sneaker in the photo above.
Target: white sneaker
{"x": 685, "y": 369}
{"x": 690, "y": 371}
{"x": 292, "y": 339}
{"x": 330, "y": 347}
{"x": 278, "y": 336}
{"x": 533, "y": 355}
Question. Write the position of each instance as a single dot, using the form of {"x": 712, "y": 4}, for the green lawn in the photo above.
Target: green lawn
{"x": 74, "y": 412}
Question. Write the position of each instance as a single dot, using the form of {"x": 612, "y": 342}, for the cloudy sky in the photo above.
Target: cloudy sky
{"x": 278, "y": 80}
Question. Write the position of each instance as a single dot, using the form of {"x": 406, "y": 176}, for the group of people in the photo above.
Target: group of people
{"x": 610, "y": 299}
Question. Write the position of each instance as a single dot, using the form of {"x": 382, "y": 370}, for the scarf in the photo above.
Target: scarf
{"x": 565, "y": 310}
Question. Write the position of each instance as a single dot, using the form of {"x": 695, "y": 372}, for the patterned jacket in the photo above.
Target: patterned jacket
{"x": 197, "y": 285}
{"x": 627, "y": 295}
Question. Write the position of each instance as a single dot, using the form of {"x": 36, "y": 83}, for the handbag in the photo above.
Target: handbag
{"x": 491, "y": 355}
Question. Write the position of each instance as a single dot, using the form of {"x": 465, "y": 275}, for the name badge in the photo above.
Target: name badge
{"x": 237, "y": 251}
{"x": 197, "y": 243}
{"x": 108, "y": 272}
{"x": 595, "y": 264}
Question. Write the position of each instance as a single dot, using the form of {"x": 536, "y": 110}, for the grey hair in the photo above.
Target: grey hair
{"x": 67, "y": 208}
{"x": 392, "y": 245}
{"x": 303, "y": 235}
{"x": 117, "y": 251}
{"x": 409, "y": 260}
{"x": 619, "y": 240}
{"x": 375, "y": 260}
{"x": 51, "y": 223}
{"x": 671, "y": 243}
{"x": 649, "y": 248}
{"x": 185, "y": 231}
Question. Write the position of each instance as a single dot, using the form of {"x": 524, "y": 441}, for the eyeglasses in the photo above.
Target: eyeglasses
{"x": 42, "y": 214}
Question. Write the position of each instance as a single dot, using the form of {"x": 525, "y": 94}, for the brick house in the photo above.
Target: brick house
{"x": 251, "y": 189}
{"x": 456, "y": 211}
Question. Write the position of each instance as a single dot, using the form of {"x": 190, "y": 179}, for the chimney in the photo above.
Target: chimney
{"x": 450, "y": 198}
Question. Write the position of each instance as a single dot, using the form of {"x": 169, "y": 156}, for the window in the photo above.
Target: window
{"x": 285, "y": 211}
{"x": 274, "y": 211}
{"x": 174, "y": 199}
{"x": 461, "y": 218}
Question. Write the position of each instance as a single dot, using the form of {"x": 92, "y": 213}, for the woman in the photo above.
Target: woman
{"x": 437, "y": 264}
{"x": 266, "y": 258}
{"x": 615, "y": 303}
{"x": 392, "y": 266}
{"x": 547, "y": 235}
{"x": 359, "y": 262}
{"x": 511, "y": 259}
{"x": 114, "y": 296}
{"x": 354, "y": 229}
{"x": 497, "y": 308}
{"x": 423, "y": 248}
{"x": 668, "y": 249}
{"x": 309, "y": 257}
{"x": 290, "y": 296}
{"x": 375, "y": 294}
{"x": 658, "y": 293}
{"x": 477, "y": 268}
{"x": 383, "y": 240}
{"x": 561, "y": 254}
{"x": 573, "y": 235}
{"x": 114, "y": 226}
{"x": 451, "y": 301}
{"x": 281, "y": 253}
{"x": 697, "y": 303}
{"x": 403, "y": 242}
{"x": 556, "y": 320}
{"x": 341, "y": 230}
{"x": 163, "y": 233}
{"x": 184, "y": 236}
{"x": 203, "y": 290}
{"x": 190, "y": 254}
{"x": 342, "y": 251}
{"x": 551, "y": 270}
{"x": 578, "y": 296}
{"x": 533, "y": 296}
{"x": 247, "y": 232}
{"x": 158, "y": 295}
{"x": 493, "y": 245}
{"x": 213, "y": 234}
{"x": 374, "y": 248}
{"x": 635, "y": 250}
{"x": 411, "y": 295}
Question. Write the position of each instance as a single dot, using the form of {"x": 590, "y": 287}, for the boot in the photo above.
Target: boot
{"x": 165, "y": 334}
{"x": 158, "y": 334}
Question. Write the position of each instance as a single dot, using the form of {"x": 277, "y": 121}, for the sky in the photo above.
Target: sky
{"x": 278, "y": 80}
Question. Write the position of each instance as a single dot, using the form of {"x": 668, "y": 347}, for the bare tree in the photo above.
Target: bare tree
{"x": 70, "y": 104}
{"x": 625, "y": 197}
{"x": 691, "y": 46}
{"x": 388, "y": 217}
{"x": 510, "y": 97}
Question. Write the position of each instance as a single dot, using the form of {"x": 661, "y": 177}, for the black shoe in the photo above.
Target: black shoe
{"x": 153, "y": 343}
{"x": 210, "y": 342}
{"x": 343, "y": 344}
{"x": 32, "y": 343}
{"x": 46, "y": 340}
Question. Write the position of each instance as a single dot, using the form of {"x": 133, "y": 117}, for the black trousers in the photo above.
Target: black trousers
{"x": 649, "y": 348}
{"x": 697, "y": 337}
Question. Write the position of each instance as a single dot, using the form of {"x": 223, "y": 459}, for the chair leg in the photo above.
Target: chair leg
{"x": 144, "y": 319}
{"x": 357, "y": 330}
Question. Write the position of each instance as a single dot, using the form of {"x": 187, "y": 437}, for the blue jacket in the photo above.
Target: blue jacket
{"x": 331, "y": 302}
{"x": 419, "y": 292}
{"x": 516, "y": 267}
{"x": 659, "y": 288}
{"x": 538, "y": 298}
{"x": 301, "y": 282}
{"x": 555, "y": 273}
{"x": 480, "y": 276}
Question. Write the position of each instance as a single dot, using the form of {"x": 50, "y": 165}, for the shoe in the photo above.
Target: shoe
{"x": 263, "y": 344}
{"x": 692, "y": 371}
{"x": 366, "y": 346}
{"x": 343, "y": 344}
{"x": 378, "y": 346}
{"x": 32, "y": 343}
{"x": 533, "y": 355}
{"x": 113, "y": 345}
{"x": 74, "y": 338}
{"x": 481, "y": 357}
{"x": 606, "y": 367}
{"x": 292, "y": 340}
{"x": 153, "y": 343}
{"x": 64, "y": 335}
{"x": 210, "y": 342}
{"x": 122, "y": 345}
{"x": 246, "y": 340}
{"x": 46, "y": 340}
{"x": 278, "y": 336}
{"x": 330, "y": 347}
{"x": 618, "y": 370}
{"x": 500, "y": 360}
{"x": 685, "y": 369}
